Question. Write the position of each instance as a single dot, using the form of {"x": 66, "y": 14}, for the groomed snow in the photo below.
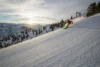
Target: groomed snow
{"x": 77, "y": 46}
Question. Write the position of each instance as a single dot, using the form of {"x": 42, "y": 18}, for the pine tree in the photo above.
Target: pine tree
{"x": 71, "y": 18}
{"x": 92, "y": 9}
{"x": 62, "y": 23}
{"x": 52, "y": 27}
{"x": 98, "y": 7}
{"x": 36, "y": 32}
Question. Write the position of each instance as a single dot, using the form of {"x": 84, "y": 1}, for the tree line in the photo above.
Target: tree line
{"x": 93, "y": 8}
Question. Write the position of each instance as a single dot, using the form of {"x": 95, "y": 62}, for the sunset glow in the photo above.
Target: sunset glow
{"x": 30, "y": 22}
{"x": 14, "y": 10}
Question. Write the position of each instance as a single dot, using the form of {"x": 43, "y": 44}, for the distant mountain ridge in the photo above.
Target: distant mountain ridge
{"x": 11, "y": 29}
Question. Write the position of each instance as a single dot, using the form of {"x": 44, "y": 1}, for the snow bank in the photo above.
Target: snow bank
{"x": 79, "y": 19}
{"x": 92, "y": 22}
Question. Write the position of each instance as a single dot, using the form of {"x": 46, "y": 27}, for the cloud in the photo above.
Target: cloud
{"x": 31, "y": 9}
{"x": 16, "y": 1}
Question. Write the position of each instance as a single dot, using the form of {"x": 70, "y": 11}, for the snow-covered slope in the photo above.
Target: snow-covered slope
{"x": 77, "y": 46}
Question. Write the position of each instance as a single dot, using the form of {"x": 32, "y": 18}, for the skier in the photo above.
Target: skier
{"x": 68, "y": 23}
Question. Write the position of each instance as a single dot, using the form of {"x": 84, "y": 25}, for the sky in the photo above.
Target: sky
{"x": 40, "y": 11}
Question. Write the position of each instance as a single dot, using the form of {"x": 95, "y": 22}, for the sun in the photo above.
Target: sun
{"x": 30, "y": 22}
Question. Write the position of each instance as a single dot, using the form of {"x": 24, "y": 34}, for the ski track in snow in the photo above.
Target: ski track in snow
{"x": 77, "y": 46}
